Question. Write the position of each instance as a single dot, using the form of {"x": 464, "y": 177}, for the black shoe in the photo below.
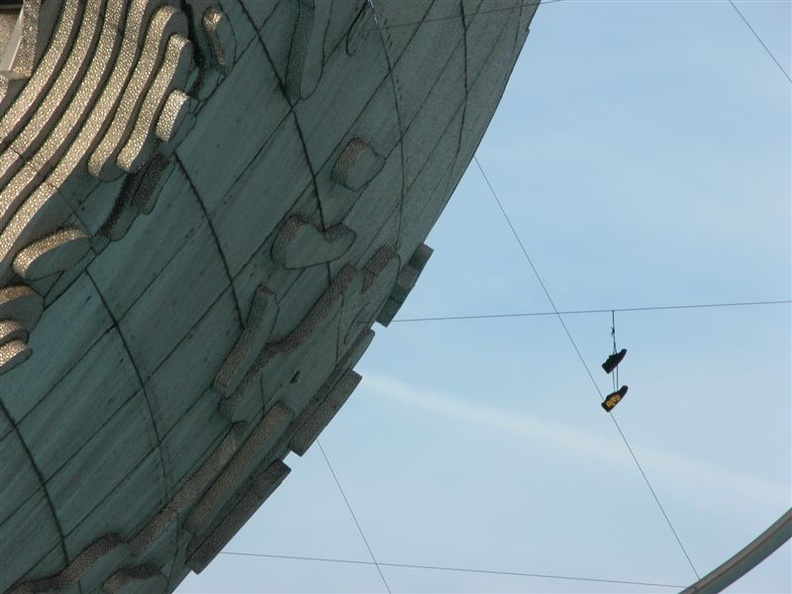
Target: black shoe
{"x": 613, "y": 399}
{"x": 614, "y": 360}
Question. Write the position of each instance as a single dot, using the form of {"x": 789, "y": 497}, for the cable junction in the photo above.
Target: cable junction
{"x": 354, "y": 517}
{"x": 588, "y": 371}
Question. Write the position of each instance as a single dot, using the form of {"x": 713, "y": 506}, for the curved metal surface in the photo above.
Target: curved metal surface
{"x": 744, "y": 561}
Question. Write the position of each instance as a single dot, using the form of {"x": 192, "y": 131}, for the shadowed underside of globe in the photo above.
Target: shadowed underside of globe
{"x": 204, "y": 208}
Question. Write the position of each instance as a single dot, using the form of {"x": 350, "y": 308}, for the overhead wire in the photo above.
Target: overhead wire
{"x": 354, "y": 517}
{"x": 557, "y": 313}
{"x": 654, "y": 495}
{"x": 760, "y": 40}
{"x": 585, "y": 365}
{"x": 456, "y": 569}
{"x": 592, "y": 311}
{"x": 536, "y": 274}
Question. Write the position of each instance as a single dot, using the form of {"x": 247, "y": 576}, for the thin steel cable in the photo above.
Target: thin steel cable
{"x": 591, "y": 311}
{"x": 588, "y": 371}
{"x": 759, "y": 39}
{"x": 539, "y": 278}
{"x": 656, "y": 498}
{"x": 354, "y": 517}
{"x": 458, "y": 569}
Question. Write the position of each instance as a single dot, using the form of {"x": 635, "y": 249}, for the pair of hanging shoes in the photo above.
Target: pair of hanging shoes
{"x": 613, "y": 399}
{"x": 614, "y": 360}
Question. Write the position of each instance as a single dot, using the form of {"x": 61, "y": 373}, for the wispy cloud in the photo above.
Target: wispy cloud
{"x": 689, "y": 479}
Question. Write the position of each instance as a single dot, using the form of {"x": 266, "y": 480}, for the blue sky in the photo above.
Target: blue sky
{"x": 642, "y": 151}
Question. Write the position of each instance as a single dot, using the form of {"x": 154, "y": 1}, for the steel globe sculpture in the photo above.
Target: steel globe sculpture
{"x": 204, "y": 208}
